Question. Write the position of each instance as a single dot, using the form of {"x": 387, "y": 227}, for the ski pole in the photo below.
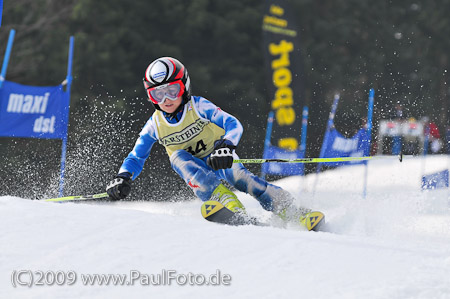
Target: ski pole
{"x": 77, "y": 198}
{"x": 302, "y": 160}
{"x": 316, "y": 160}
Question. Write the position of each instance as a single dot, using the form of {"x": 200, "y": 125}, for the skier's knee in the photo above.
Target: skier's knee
{"x": 179, "y": 156}
{"x": 202, "y": 183}
{"x": 194, "y": 172}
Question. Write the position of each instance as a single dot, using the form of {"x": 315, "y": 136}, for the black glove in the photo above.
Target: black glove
{"x": 120, "y": 186}
{"x": 222, "y": 155}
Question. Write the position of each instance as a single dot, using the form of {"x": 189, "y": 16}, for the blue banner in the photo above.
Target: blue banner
{"x": 435, "y": 180}
{"x": 30, "y": 111}
{"x": 273, "y": 152}
{"x": 339, "y": 146}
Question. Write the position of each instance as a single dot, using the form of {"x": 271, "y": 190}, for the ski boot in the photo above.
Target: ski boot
{"x": 224, "y": 207}
{"x": 283, "y": 207}
{"x": 230, "y": 201}
{"x": 312, "y": 220}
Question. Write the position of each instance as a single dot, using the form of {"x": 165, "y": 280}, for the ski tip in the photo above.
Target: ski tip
{"x": 210, "y": 208}
{"x": 314, "y": 220}
{"x": 214, "y": 211}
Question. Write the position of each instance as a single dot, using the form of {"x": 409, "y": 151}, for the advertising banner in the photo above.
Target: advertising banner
{"x": 30, "y": 111}
{"x": 284, "y": 73}
{"x": 436, "y": 180}
{"x": 339, "y": 146}
{"x": 282, "y": 168}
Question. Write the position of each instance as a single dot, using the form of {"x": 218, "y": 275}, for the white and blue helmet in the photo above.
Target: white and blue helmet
{"x": 166, "y": 70}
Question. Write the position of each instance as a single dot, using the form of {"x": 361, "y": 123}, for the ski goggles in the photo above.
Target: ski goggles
{"x": 170, "y": 91}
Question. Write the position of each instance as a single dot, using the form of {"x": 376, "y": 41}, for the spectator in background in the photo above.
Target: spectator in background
{"x": 448, "y": 139}
{"x": 397, "y": 116}
{"x": 434, "y": 137}
{"x": 398, "y": 113}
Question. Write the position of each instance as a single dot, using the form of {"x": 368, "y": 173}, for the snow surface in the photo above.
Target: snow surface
{"x": 395, "y": 243}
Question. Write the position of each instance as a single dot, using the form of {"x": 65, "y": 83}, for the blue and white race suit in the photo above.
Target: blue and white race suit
{"x": 200, "y": 122}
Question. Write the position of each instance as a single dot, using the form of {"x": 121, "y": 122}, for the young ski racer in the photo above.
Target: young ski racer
{"x": 200, "y": 139}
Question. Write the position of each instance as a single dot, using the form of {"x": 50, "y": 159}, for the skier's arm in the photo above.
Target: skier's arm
{"x": 231, "y": 125}
{"x": 134, "y": 162}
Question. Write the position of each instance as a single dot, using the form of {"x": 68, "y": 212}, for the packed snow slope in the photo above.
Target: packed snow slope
{"x": 395, "y": 243}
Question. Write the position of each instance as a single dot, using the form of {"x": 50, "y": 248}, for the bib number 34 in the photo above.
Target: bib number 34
{"x": 201, "y": 146}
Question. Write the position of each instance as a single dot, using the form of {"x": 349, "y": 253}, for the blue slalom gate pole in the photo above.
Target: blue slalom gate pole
{"x": 303, "y": 136}
{"x": 329, "y": 126}
{"x": 12, "y": 32}
{"x": 425, "y": 148}
{"x": 267, "y": 140}
{"x": 64, "y": 140}
{"x": 369, "y": 138}
{"x": 304, "y": 131}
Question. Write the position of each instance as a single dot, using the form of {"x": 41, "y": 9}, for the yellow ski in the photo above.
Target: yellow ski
{"x": 214, "y": 211}
{"x": 77, "y": 198}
